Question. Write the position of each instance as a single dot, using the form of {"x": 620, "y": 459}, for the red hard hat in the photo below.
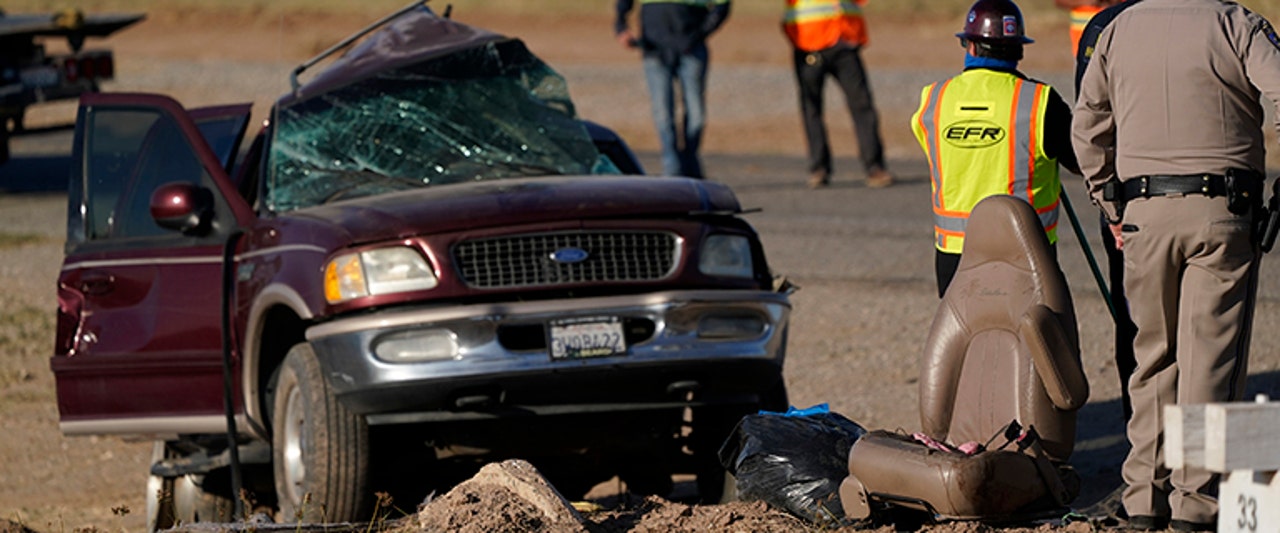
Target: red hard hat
{"x": 994, "y": 21}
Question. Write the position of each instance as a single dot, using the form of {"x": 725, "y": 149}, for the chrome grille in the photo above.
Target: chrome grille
{"x": 526, "y": 260}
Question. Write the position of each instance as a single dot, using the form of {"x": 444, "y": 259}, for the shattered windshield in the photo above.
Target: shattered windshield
{"x": 490, "y": 112}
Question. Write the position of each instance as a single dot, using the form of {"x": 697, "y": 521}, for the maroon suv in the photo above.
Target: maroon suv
{"x": 423, "y": 261}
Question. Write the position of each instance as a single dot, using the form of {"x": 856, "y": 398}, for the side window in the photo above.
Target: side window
{"x": 251, "y": 171}
{"x": 116, "y": 137}
{"x": 131, "y": 153}
{"x": 223, "y": 135}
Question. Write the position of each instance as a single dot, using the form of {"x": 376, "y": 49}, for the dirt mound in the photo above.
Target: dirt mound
{"x": 513, "y": 496}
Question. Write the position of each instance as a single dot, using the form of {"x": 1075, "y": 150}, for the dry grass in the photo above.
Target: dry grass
{"x": 26, "y": 332}
{"x": 25, "y": 337}
{"x": 14, "y": 240}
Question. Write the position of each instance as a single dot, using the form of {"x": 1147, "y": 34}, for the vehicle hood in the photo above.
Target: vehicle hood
{"x": 520, "y": 201}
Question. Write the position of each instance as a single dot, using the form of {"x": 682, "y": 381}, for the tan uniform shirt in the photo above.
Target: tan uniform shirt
{"x": 1175, "y": 106}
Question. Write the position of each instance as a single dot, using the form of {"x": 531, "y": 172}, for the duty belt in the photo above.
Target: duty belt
{"x": 1148, "y": 186}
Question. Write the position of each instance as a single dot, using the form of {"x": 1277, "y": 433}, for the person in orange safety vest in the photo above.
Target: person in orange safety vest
{"x": 1081, "y": 12}
{"x": 827, "y": 37}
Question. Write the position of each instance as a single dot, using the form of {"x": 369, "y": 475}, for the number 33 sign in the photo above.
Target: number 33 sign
{"x": 1250, "y": 502}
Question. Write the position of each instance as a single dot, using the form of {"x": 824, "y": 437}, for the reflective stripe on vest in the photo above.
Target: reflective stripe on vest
{"x": 1079, "y": 19}
{"x": 818, "y": 24}
{"x": 802, "y": 11}
{"x": 981, "y": 134}
{"x": 701, "y": 3}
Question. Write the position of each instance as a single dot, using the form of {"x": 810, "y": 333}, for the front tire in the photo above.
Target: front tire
{"x": 320, "y": 450}
{"x": 713, "y": 426}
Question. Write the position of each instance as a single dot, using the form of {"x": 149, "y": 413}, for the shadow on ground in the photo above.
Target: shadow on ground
{"x": 26, "y": 174}
{"x": 1101, "y": 446}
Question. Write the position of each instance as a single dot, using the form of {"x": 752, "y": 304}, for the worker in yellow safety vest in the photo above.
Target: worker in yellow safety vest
{"x": 991, "y": 130}
{"x": 827, "y": 37}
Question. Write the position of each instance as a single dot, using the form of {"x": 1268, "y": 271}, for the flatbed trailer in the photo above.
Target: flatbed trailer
{"x": 29, "y": 75}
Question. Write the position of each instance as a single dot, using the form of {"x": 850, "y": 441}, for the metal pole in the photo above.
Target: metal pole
{"x": 1088, "y": 254}
{"x": 228, "y": 405}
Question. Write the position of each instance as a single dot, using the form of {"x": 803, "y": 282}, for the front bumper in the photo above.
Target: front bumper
{"x": 678, "y": 354}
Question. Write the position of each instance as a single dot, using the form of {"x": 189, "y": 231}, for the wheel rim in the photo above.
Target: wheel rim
{"x": 155, "y": 484}
{"x": 157, "y": 505}
{"x": 187, "y": 497}
{"x": 295, "y": 469}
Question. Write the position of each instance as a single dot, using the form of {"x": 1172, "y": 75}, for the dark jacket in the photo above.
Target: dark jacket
{"x": 673, "y": 28}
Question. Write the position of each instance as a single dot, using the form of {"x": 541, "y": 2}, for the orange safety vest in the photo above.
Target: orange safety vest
{"x": 814, "y": 25}
{"x": 1079, "y": 19}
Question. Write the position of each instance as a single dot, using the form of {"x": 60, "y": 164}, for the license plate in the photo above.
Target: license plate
{"x": 584, "y": 338}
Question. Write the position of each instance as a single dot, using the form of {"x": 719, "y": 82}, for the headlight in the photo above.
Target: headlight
{"x": 726, "y": 255}
{"x": 384, "y": 271}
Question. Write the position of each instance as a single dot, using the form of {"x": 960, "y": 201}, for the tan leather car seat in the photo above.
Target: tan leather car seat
{"x": 1003, "y": 346}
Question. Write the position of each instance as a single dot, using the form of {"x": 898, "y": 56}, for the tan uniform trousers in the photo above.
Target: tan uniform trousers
{"x": 1191, "y": 275}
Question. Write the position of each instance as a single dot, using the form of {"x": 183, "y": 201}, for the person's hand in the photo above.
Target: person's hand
{"x": 626, "y": 39}
{"x": 1118, "y": 234}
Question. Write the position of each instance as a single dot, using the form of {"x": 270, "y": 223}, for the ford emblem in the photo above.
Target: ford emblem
{"x": 569, "y": 255}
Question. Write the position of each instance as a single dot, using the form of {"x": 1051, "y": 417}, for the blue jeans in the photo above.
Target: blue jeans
{"x": 679, "y": 146}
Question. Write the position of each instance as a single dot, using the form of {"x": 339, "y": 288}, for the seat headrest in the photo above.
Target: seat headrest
{"x": 996, "y": 224}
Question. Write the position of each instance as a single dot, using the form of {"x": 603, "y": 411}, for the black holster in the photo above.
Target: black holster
{"x": 1111, "y": 193}
{"x": 1244, "y": 191}
{"x": 1267, "y": 221}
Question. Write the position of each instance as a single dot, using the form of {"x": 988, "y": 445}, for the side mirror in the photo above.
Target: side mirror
{"x": 183, "y": 207}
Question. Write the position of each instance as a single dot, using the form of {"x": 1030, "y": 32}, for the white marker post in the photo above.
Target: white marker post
{"x": 1240, "y": 441}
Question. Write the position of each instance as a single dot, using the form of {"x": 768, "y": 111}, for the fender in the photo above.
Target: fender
{"x": 275, "y": 294}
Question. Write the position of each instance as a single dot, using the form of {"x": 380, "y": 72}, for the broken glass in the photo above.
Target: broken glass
{"x": 490, "y": 112}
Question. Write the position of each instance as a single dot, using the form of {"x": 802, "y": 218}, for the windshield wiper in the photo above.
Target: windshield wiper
{"x": 526, "y": 169}
{"x": 356, "y": 179}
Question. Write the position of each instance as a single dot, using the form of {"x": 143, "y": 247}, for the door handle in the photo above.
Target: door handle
{"x": 97, "y": 284}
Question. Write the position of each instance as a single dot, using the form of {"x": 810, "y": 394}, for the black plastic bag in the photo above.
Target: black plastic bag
{"x": 794, "y": 460}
